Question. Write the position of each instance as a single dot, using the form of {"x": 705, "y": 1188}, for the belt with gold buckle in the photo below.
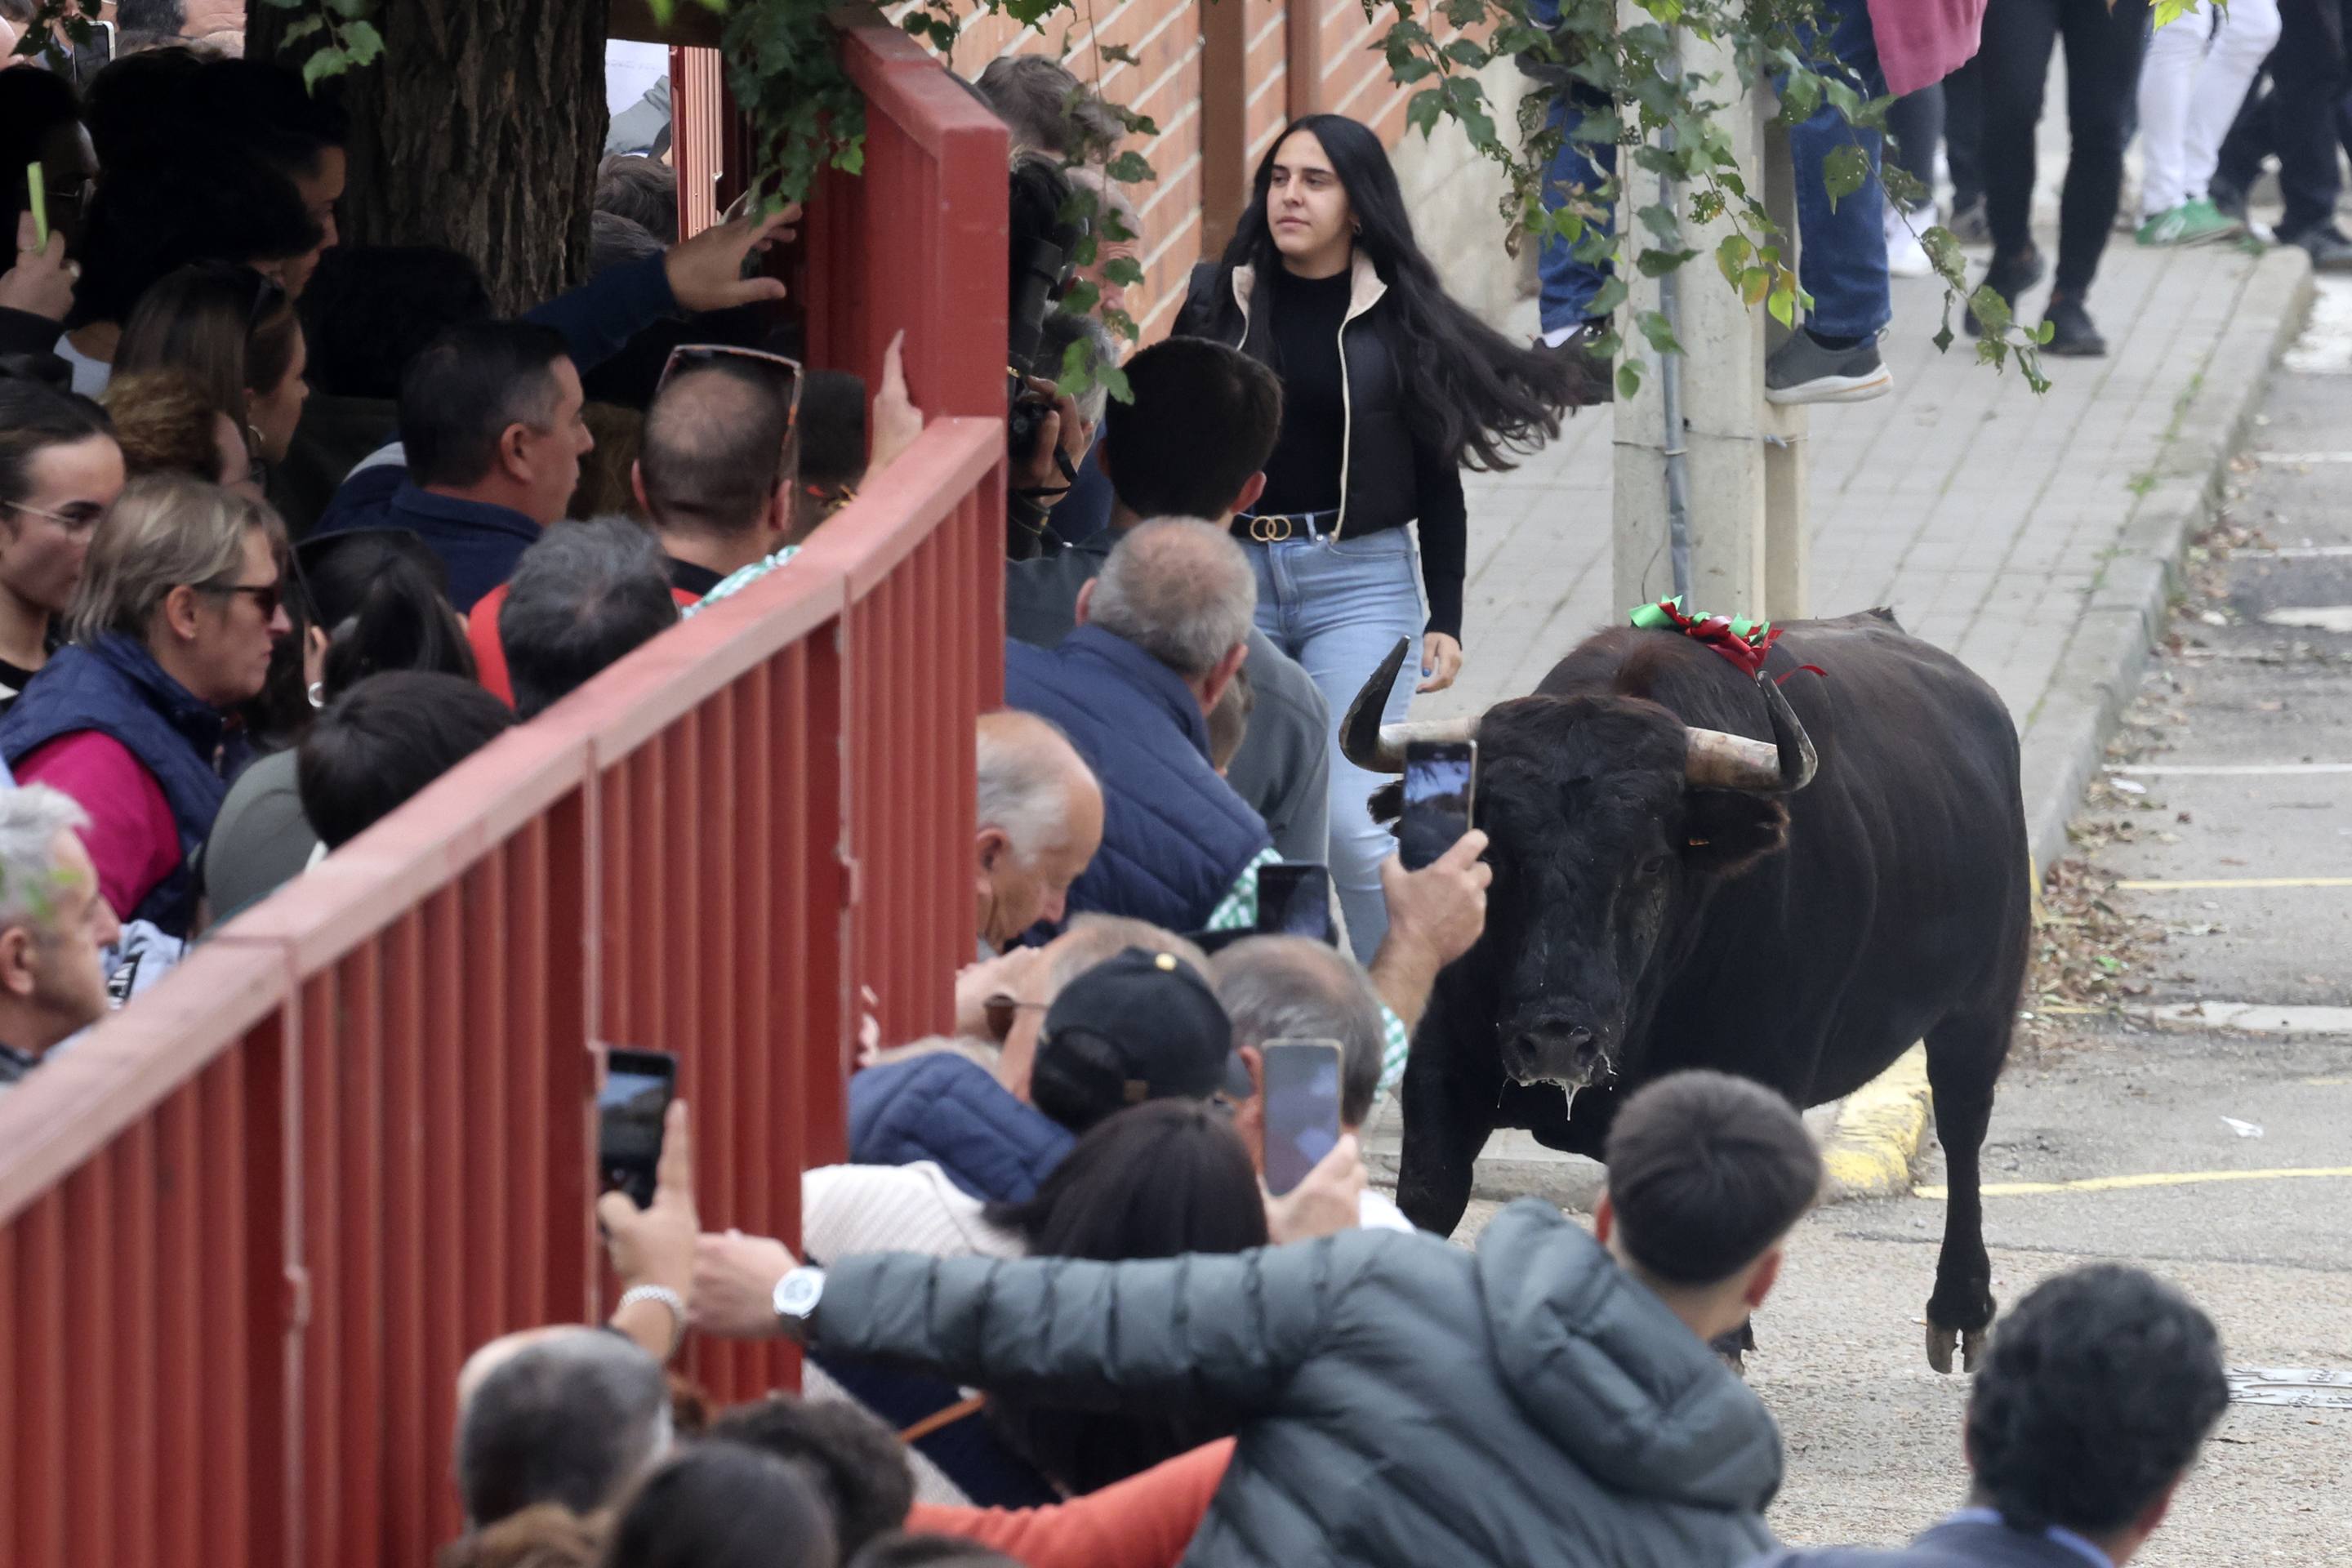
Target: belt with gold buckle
{"x": 1275, "y": 527}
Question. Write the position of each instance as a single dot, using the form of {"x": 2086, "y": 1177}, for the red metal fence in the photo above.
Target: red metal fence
{"x": 250, "y": 1228}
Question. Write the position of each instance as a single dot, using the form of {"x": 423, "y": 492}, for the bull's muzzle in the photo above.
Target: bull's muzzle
{"x": 1552, "y": 1047}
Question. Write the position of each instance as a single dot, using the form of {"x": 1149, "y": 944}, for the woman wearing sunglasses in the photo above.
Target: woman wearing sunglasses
{"x": 233, "y": 332}
{"x": 59, "y": 470}
{"x": 172, "y": 628}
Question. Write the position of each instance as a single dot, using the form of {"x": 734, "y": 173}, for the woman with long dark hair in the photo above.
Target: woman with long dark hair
{"x": 1390, "y": 387}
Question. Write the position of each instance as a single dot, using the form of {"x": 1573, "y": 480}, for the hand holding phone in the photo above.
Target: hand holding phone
{"x": 1441, "y": 786}
{"x": 630, "y": 1108}
{"x": 1302, "y": 1109}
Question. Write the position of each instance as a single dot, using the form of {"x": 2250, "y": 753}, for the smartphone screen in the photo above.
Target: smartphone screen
{"x": 629, "y": 1111}
{"x": 1440, "y": 780}
{"x": 1294, "y": 899}
{"x": 1302, "y": 1109}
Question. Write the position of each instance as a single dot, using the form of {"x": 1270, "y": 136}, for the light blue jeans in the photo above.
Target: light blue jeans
{"x": 1338, "y": 607}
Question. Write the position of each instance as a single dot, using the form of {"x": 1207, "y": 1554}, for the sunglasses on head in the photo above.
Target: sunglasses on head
{"x": 778, "y": 371}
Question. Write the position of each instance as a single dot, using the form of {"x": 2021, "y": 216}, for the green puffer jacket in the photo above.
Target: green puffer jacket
{"x": 1403, "y": 1402}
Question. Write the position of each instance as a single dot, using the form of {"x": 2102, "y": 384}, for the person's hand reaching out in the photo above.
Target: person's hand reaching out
{"x": 42, "y": 281}
{"x": 1326, "y": 1202}
{"x": 735, "y": 1285}
{"x": 706, "y": 273}
{"x": 654, "y": 1246}
{"x": 897, "y": 421}
{"x": 1057, "y": 432}
{"x": 1435, "y": 915}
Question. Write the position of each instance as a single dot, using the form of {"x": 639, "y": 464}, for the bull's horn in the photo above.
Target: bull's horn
{"x": 1380, "y": 748}
{"x": 1782, "y": 766}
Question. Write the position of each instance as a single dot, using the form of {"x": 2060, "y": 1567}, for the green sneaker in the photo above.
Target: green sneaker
{"x": 2197, "y": 222}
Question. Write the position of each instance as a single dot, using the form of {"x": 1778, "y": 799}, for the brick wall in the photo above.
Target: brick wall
{"x": 1221, "y": 79}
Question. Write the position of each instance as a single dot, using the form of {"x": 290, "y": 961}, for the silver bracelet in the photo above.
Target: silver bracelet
{"x": 668, "y": 1298}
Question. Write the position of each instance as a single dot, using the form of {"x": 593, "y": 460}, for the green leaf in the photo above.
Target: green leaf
{"x": 1660, "y": 336}
{"x": 1466, "y": 52}
{"x": 1660, "y": 220}
{"x": 1800, "y": 97}
{"x": 1124, "y": 269}
{"x": 326, "y": 62}
{"x": 1410, "y": 70}
{"x": 1130, "y": 169}
{"x": 1943, "y": 338}
{"x": 1422, "y": 112}
{"x": 1629, "y": 381}
{"x": 1658, "y": 263}
{"x": 2171, "y": 11}
{"x": 1119, "y": 53}
{"x": 1613, "y": 294}
{"x": 351, "y": 10}
{"x": 301, "y": 27}
{"x": 1731, "y": 256}
{"x": 1845, "y": 171}
{"x": 1782, "y": 301}
{"x": 362, "y": 43}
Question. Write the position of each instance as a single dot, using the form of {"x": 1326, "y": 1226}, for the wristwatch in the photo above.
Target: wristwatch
{"x": 796, "y": 1298}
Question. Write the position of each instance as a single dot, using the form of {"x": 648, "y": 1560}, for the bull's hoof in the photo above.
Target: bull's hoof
{"x": 1940, "y": 1340}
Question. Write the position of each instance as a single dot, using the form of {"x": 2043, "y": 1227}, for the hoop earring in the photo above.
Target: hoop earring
{"x": 316, "y": 692}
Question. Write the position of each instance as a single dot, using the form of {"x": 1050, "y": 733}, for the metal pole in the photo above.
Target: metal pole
{"x": 1670, "y": 386}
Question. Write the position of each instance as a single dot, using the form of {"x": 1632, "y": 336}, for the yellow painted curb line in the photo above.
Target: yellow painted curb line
{"x": 2152, "y": 1179}
{"x": 1878, "y": 1133}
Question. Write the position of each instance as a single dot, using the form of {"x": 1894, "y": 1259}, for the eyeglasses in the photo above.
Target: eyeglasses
{"x": 264, "y": 594}
{"x": 79, "y": 517}
{"x": 778, "y": 371}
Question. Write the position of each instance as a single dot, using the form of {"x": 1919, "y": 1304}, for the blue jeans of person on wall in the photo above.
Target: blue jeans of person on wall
{"x": 1840, "y": 248}
{"x": 1338, "y": 607}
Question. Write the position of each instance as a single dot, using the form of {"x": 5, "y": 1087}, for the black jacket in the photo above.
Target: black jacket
{"x": 1954, "y": 1544}
{"x": 1389, "y": 477}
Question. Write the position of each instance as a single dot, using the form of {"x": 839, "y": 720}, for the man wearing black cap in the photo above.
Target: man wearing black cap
{"x": 1141, "y": 1025}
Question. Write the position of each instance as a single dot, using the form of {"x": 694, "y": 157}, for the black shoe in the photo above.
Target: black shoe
{"x": 2330, "y": 251}
{"x": 2228, "y": 197}
{"x": 2009, "y": 275}
{"x": 2072, "y": 336}
{"x": 1803, "y": 370}
{"x": 1591, "y": 379}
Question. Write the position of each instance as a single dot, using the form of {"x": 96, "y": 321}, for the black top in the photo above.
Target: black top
{"x": 688, "y": 577}
{"x": 1303, "y": 474}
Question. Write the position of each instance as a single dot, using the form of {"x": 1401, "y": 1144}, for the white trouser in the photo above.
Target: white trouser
{"x": 2194, "y": 79}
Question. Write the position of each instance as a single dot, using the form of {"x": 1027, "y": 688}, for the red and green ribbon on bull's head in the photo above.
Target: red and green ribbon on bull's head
{"x": 1743, "y": 642}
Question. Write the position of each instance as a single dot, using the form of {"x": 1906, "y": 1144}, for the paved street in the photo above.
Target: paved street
{"x": 2235, "y": 768}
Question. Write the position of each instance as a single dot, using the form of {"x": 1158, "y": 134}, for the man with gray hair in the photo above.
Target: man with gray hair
{"x": 565, "y": 1414}
{"x": 1039, "y": 821}
{"x": 53, "y": 924}
{"x": 583, "y": 596}
{"x": 1295, "y": 988}
{"x": 1161, "y": 633}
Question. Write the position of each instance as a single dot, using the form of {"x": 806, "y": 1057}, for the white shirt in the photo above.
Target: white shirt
{"x": 89, "y": 376}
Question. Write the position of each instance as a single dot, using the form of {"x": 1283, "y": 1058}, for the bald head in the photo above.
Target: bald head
{"x": 714, "y": 454}
{"x": 1181, "y": 590}
{"x": 563, "y": 1415}
{"x": 1040, "y": 822}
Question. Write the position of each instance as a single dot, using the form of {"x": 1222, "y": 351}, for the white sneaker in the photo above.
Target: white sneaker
{"x": 1906, "y": 256}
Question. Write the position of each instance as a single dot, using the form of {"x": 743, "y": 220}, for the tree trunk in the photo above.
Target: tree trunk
{"x": 478, "y": 130}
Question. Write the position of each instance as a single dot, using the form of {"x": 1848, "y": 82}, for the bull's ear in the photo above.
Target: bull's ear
{"x": 1387, "y": 802}
{"x": 1726, "y": 831}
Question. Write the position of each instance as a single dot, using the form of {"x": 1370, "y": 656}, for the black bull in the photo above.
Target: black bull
{"x": 1801, "y": 927}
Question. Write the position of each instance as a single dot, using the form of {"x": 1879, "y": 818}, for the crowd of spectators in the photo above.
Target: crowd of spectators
{"x": 291, "y": 529}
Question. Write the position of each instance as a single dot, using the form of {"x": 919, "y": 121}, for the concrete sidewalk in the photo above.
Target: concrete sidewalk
{"x": 2030, "y": 535}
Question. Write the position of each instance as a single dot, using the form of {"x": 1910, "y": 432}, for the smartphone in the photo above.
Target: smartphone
{"x": 1302, "y": 1109}
{"x": 1294, "y": 899}
{"x": 1441, "y": 785}
{"x": 635, "y": 1096}
{"x": 94, "y": 52}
